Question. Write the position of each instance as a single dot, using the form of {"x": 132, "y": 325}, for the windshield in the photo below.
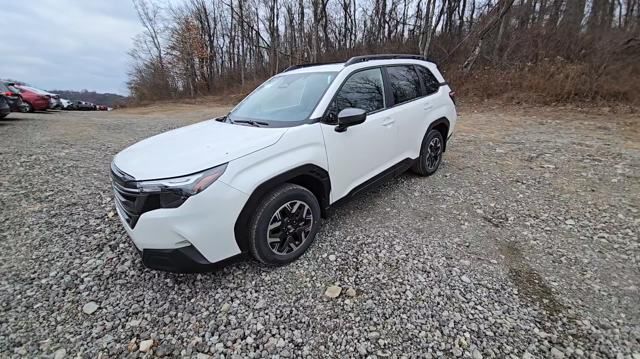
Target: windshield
{"x": 284, "y": 98}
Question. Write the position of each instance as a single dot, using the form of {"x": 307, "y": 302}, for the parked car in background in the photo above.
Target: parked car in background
{"x": 84, "y": 106}
{"x": 35, "y": 100}
{"x": 13, "y": 97}
{"x": 4, "y": 106}
{"x": 66, "y": 104}
{"x": 54, "y": 101}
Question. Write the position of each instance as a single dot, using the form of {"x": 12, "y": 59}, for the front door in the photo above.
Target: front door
{"x": 364, "y": 150}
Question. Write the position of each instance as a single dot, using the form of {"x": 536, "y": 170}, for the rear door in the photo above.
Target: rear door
{"x": 407, "y": 110}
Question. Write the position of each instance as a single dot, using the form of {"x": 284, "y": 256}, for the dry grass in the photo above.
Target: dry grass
{"x": 551, "y": 82}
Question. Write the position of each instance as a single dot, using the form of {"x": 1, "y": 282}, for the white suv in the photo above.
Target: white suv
{"x": 259, "y": 179}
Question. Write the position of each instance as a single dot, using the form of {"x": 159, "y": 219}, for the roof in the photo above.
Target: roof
{"x": 318, "y": 68}
{"x": 357, "y": 60}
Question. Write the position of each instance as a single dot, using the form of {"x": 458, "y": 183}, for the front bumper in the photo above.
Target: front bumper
{"x": 178, "y": 260}
{"x": 204, "y": 222}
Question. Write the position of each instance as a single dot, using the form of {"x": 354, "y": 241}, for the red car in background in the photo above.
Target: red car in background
{"x": 35, "y": 101}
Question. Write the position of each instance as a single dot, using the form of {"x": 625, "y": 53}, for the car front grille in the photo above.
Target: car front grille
{"x": 130, "y": 201}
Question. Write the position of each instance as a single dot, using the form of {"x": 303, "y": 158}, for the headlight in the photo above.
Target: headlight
{"x": 174, "y": 191}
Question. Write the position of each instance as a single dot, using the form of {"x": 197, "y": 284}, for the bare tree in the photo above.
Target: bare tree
{"x": 196, "y": 47}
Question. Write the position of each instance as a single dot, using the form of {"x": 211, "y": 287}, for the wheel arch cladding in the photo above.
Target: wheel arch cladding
{"x": 311, "y": 177}
{"x": 441, "y": 125}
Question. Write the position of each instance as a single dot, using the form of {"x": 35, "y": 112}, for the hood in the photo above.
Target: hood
{"x": 193, "y": 148}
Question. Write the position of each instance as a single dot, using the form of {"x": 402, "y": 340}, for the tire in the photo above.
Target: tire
{"x": 3, "y": 115}
{"x": 272, "y": 219}
{"x": 28, "y": 108}
{"x": 430, "y": 154}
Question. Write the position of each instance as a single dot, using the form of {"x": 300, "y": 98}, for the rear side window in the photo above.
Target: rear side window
{"x": 429, "y": 82}
{"x": 404, "y": 82}
{"x": 363, "y": 90}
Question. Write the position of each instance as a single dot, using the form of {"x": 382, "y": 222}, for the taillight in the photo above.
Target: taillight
{"x": 452, "y": 94}
{"x": 8, "y": 93}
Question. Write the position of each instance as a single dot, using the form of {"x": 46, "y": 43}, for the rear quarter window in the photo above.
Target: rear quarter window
{"x": 429, "y": 81}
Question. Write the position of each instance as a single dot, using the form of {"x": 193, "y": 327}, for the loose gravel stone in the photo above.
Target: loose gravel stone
{"x": 492, "y": 214}
{"x": 557, "y": 353}
{"x": 132, "y": 346}
{"x": 351, "y": 292}
{"x": 146, "y": 345}
{"x": 333, "y": 291}
{"x": 60, "y": 354}
{"x": 90, "y": 307}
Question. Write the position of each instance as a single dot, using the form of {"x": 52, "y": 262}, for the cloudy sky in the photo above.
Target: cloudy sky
{"x": 68, "y": 44}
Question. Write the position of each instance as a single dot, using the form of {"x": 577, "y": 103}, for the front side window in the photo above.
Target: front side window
{"x": 286, "y": 98}
{"x": 363, "y": 90}
{"x": 430, "y": 83}
{"x": 404, "y": 82}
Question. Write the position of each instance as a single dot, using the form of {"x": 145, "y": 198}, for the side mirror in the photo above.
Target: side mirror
{"x": 350, "y": 117}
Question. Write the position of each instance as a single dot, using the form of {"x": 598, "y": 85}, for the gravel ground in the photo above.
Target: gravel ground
{"x": 524, "y": 245}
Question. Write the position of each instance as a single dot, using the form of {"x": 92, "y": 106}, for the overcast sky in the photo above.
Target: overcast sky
{"x": 68, "y": 44}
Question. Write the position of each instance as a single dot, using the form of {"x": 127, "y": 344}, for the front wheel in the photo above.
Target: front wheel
{"x": 430, "y": 154}
{"x": 284, "y": 225}
{"x": 27, "y": 107}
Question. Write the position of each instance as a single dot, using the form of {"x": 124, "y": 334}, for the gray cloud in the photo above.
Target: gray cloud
{"x": 68, "y": 44}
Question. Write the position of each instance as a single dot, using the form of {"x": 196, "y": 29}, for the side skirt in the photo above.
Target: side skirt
{"x": 377, "y": 180}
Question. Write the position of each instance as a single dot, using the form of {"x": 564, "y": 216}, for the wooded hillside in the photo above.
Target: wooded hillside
{"x": 106, "y": 99}
{"x": 546, "y": 50}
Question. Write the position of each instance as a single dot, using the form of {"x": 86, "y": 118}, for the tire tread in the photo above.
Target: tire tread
{"x": 260, "y": 212}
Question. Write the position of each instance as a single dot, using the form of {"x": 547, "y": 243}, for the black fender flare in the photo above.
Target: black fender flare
{"x": 440, "y": 121}
{"x": 313, "y": 177}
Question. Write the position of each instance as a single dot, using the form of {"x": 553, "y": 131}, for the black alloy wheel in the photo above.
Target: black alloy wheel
{"x": 289, "y": 227}
{"x": 434, "y": 153}
{"x": 284, "y": 224}
{"x": 431, "y": 152}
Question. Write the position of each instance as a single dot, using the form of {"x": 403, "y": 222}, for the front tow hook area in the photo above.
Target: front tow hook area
{"x": 181, "y": 260}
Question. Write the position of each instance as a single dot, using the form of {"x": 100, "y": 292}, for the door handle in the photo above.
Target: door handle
{"x": 387, "y": 122}
{"x": 428, "y": 107}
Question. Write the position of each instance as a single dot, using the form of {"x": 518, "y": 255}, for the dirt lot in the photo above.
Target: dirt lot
{"x": 525, "y": 244}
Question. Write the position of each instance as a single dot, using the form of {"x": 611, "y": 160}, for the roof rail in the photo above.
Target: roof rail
{"x": 357, "y": 59}
{"x": 300, "y": 66}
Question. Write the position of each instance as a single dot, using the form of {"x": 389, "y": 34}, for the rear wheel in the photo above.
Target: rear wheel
{"x": 284, "y": 225}
{"x": 430, "y": 154}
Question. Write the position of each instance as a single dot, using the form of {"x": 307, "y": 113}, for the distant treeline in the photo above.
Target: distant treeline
{"x": 107, "y": 99}
{"x": 552, "y": 50}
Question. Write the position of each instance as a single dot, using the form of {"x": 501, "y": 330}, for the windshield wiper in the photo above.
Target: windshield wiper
{"x": 252, "y": 123}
